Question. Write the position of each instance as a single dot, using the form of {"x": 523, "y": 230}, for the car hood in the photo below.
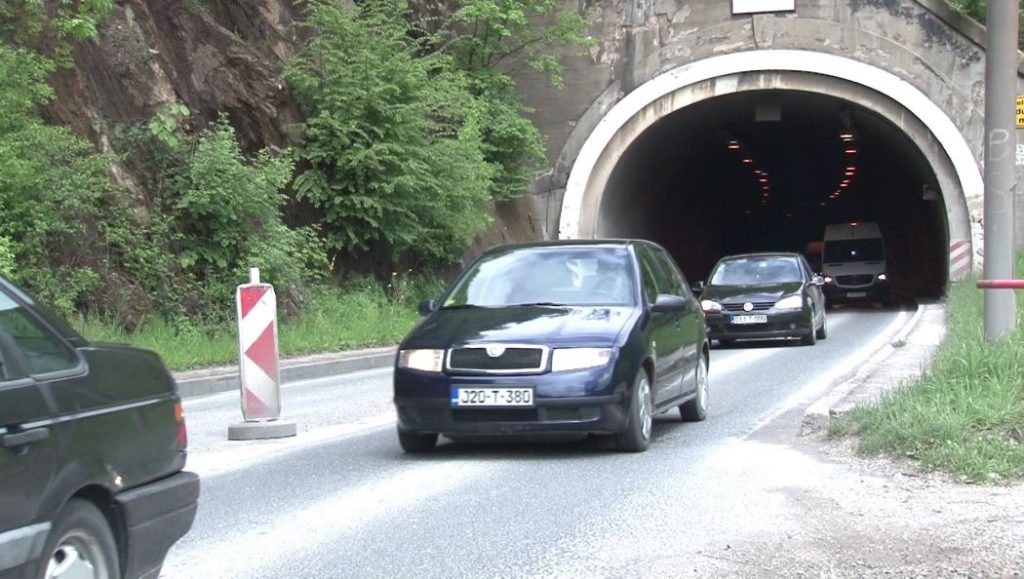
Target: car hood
{"x": 751, "y": 293}
{"x": 551, "y": 325}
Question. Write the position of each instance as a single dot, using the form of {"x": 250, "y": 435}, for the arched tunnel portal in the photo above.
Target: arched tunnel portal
{"x": 763, "y": 160}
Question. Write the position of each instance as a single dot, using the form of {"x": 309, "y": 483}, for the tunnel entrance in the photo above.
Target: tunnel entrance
{"x": 767, "y": 170}
{"x": 667, "y": 162}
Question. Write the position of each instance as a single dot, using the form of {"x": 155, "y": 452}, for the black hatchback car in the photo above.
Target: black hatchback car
{"x": 587, "y": 337}
{"x": 92, "y": 450}
{"x": 764, "y": 295}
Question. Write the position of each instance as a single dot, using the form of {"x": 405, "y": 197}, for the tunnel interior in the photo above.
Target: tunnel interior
{"x": 767, "y": 171}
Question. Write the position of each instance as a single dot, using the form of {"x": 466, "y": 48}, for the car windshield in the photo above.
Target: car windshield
{"x": 844, "y": 250}
{"x": 547, "y": 276}
{"x": 756, "y": 271}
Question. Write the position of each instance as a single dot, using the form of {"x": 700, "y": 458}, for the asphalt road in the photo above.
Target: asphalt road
{"x": 341, "y": 500}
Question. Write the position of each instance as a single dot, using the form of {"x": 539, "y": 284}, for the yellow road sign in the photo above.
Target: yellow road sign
{"x": 1020, "y": 112}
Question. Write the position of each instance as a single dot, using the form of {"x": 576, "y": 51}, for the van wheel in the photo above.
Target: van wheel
{"x": 80, "y": 545}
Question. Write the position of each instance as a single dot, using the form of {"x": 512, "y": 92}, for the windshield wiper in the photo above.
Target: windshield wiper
{"x": 462, "y": 307}
{"x": 530, "y": 304}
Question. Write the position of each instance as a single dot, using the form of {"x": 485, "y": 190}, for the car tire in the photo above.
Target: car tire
{"x": 823, "y": 330}
{"x": 80, "y": 544}
{"x": 811, "y": 337}
{"x": 637, "y": 436}
{"x": 696, "y": 410}
{"x": 417, "y": 442}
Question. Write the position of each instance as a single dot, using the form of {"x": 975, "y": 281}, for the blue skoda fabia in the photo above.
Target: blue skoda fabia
{"x": 586, "y": 337}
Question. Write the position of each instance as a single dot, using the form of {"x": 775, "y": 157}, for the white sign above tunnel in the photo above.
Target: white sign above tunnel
{"x": 753, "y": 6}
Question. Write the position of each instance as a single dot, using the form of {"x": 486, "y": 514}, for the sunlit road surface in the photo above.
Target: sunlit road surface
{"x": 342, "y": 500}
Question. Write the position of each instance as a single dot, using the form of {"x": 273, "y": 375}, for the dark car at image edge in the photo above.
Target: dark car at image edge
{"x": 586, "y": 337}
{"x": 92, "y": 451}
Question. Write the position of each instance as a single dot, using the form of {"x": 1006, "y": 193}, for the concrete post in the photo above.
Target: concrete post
{"x": 1000, "y": 151}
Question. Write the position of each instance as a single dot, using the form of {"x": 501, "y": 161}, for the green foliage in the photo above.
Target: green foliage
{"x": 393, "y": 139}
{"x": 227, "y": 219}
{"x": 50, "y": 27}
{"x": 53, "y": 188}
{"x": 491, "y": 40}
{"x": 488, "y": 33}
{"x": 6, "y": 257}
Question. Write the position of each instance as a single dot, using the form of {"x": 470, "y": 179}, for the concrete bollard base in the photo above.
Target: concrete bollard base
{"x": 261, "y": 430}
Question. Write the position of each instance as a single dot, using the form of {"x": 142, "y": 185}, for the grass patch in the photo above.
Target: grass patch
{"x": 359, "y": 315}
{"x": 965, "y": 415}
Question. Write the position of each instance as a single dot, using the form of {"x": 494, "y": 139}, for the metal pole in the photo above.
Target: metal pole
{"x": 1000, "y": 180}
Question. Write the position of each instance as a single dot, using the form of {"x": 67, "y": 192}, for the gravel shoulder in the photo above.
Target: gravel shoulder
{"x": 837, "y": 514}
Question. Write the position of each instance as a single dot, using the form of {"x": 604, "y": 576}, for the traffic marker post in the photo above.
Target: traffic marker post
{"x": 256, "y": 306}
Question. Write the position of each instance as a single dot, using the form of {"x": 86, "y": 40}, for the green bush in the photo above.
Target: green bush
{"x": 392, "y": 155}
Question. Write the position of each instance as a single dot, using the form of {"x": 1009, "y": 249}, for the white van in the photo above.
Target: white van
{"x": 853, "y": 262}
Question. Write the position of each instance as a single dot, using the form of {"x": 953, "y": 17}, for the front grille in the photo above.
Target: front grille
{"x": 854, "y": 280}
{"x": 495, "y": 415}
{"x": 512, "y": 359}
{"x": 758, "y": 306}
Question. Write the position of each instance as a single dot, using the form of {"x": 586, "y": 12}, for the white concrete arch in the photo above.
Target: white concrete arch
{"x": 634, "y": 113}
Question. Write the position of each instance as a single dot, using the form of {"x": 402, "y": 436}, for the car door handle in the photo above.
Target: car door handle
{"x": 15, "y": 439}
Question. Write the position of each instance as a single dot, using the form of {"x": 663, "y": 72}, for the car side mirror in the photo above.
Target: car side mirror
{"x": 426, "y": 307}
{"x": 669, "y": 303}
{"x": 818, "y": 280}
{"x": 698, "y": 287}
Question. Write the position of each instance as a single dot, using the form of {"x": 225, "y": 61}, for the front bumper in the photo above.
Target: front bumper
{"x": 578, "y": 402}
{"x": 784, "y": 324}
{"x": 878, "y": 290}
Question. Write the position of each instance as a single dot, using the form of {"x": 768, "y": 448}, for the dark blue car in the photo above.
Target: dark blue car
{"x": 586, "y": 337}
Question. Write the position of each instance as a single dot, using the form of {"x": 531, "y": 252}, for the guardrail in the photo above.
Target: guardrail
{"x": 1001, "y": 283}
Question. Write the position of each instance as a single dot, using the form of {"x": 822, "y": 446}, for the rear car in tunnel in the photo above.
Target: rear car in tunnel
{"x": 854, "y": 263}
{"x": 567, "y": 337}
{"x": 764, "y": 295}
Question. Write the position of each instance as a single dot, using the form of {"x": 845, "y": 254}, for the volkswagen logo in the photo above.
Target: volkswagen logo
{"x": 495, "y": 351}
{"x": 748, "y": 307}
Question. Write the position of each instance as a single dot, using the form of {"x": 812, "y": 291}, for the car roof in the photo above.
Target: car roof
{"x": 593, "y": 242}
{"x": 762, "y": 254}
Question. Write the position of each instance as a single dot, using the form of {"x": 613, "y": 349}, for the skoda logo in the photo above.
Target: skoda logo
{"x": 747, "y": 307}
{"x": 495, "y": 351}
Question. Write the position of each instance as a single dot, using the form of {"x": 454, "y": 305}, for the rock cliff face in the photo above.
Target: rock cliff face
{"x": 213, "y": 56}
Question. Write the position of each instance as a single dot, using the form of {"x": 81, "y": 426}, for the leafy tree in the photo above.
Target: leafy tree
{"x": 52, "y": 187}
{"x": 492, "y": 40}
{"x": 50, "y": 27}
{"x": 393, "y": 154}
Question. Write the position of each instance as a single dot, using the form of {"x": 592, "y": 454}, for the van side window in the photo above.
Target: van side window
{"x": 43, "y": 352}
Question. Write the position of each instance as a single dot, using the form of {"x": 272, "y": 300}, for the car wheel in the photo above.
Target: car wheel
{"x": 823, "y": 330}
{"x": 416, "y": 442}
{"x": 637, "y": 436}
{"x": 810, "y": 338}
{"x": 80, "y": 545}
{"x": 697, "y": 409}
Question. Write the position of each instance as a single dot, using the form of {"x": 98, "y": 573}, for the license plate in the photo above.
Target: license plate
{"x": 856, "y": 294}
{"x": 755, "y": 319}
{"x": 461, "y": 397}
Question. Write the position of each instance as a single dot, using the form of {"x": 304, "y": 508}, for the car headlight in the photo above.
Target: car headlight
{"x": 828, "y": 279}
{"x": 881, "y": 277}
{"x": 424, "y": 360}
{"x": 563, "y": 359}
{"x": 790, "y": 303}
{"x": 710, "y": 306}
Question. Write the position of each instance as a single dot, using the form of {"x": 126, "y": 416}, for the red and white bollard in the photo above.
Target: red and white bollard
{"x": 256, "y": 306}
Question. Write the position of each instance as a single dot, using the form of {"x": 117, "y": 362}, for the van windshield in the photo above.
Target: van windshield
{"x": 845, "y": 250}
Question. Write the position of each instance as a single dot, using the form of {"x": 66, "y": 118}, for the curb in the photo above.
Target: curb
{"x": 819, "y": 415}
{"x": 211, "y": 381}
